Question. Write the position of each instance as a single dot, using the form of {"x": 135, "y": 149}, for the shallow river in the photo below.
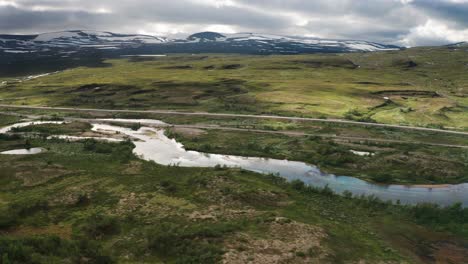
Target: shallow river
{"x": 153, "y": 145}
{"x": 31, "y": 151}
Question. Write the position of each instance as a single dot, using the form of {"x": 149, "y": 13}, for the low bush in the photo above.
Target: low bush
{"x": 17, "y": 211}
{"x": 382, "y": 177}
{"x": 120, "y": 151}
{"x": 99, "y": 226}
{"x": 446, "y": 219}
{"x": 50, "y": 249}
{"x": 189, "y": 243}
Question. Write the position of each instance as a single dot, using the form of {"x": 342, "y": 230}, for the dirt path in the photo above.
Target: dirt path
{"x": 286, "y": 133}
{"x": 294, "y": 133}
{"x": 235, "y": 115}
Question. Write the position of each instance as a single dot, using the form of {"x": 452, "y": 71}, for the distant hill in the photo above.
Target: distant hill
{"x": 459, "y": 45}
{"x": 67, "y": 43}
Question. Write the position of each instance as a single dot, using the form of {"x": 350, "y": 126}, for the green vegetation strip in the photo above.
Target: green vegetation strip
{"x": 97, "y": 202}
{"x": 421, "y": 87}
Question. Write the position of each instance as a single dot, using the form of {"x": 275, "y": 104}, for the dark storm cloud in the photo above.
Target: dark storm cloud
{"x": 186, "y": 12}
{"x": 405, "y": 22}
{"x": 448, "y": 10}
{"x": 19, "y": 20}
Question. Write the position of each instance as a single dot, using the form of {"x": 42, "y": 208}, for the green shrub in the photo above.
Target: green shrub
{"x": 121, "y": 151}
{"x": 99, "y": 226}
{"x": 298, "y": 185}
{"x": 18, "y": 211}
{"x": 192, "y": 243}
{"x": 453, "y": 218}
{"x": 50, "y": 249}
{"x": 170, "y": 187}
{"x": 8, "y": 137}
{"x": 24, "y": 208}
{"x": 382, "y": 177}
{"x": 135, "y": 126}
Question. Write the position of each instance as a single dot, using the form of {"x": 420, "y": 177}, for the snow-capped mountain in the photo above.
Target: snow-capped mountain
{"x": 66, "y": 43}
{"x": 287, "y": 44}
{"x": 73, "y": 39}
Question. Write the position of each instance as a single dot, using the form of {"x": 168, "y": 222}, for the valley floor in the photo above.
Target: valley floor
{"x": 399, "y": 118}
{"x": 415, "y": 87}
{"x": 96, "y": 201}
{"x": 394, "y": 155}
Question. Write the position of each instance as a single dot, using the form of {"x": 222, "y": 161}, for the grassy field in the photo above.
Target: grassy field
{"x": 420, "y": 87}
{"x": 56, "y": 129}
{"x": 96, "y": 202}
{"x": 8, "y": 120}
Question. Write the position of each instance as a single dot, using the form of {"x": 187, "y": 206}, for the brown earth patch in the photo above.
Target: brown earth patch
{"x": 100, "y": 88}
{"x": 178, "y": 67}
{"x": 152, "y": 206}
{"x": 263, "y": 197}
{"x": 405, "y": 63}
{"x": 330, "y": 62}
{"x": 39, "y": 175}
{"x": 423, "y": 245}
{"x": 62, "y": 231}
{"x": 217, "y": 192}
{"x": 447, "y": 252}
{"x": 407, "y": 93}
{"x": 425, "y": 163}
{"x": 288, "y": 242}
{"x": 88, "y": 87}
{"x": 215, "y": 213}
{"x": 231, "y": 66}
{"x": 189, "y": 132}
{"x": 226, "y": 193}
{"x": 77, "y": 194}
{"x": 134, "y": 167}
{"x": 369, "y": 83}
{"x": 281, "y": 68}
{"x": 363, "y": 147}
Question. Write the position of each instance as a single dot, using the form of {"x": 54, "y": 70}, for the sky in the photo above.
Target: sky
{"x": 401, "y": 22}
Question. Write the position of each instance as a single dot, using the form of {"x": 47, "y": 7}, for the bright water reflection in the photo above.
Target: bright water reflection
{"x": 153, "y": 145}
{"x": 31, "y": 151}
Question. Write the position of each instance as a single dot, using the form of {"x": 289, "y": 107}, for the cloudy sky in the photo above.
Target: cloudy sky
{"x": 402, "y": 22}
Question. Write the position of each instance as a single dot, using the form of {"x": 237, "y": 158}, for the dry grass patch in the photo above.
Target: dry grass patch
{"x": 286, "y": 242}
{"x": 62, "y": 231}
{"x": 215, "y": 213}
{"x": 188, "y": 132}
{"x": 37, "y": 176}
{"x": 151, "y": 205}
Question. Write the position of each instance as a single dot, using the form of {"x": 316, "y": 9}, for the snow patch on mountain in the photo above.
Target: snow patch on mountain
{"x": 56, "y": 35}
{"x": 347, "y": 45}
{"x": 76, "y": 40}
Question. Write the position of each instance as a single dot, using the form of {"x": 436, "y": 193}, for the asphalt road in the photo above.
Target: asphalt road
{"x": 287, "y": 133}
{"x": 291, "y": 118}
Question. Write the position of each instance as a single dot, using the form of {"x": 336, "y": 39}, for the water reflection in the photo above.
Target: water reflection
{"x": 153, "y": 145}
{"x": 31, "y": 151}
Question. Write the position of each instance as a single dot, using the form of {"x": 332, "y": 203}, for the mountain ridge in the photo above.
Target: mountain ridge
{"x": 64, "y": 43}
